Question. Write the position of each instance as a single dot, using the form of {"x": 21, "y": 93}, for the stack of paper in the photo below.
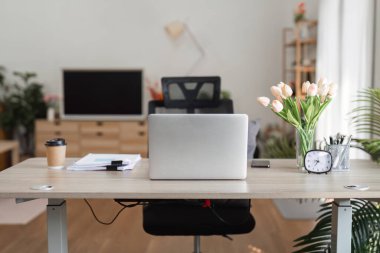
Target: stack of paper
{"x": 101, "y": 161}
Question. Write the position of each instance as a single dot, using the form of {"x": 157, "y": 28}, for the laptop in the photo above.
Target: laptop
{"x": 198, "y": 146}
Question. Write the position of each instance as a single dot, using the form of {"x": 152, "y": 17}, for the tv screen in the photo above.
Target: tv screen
{"x": 102, "y": 94}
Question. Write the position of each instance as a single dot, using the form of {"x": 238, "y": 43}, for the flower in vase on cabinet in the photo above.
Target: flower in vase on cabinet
{"x": 52, "y": 104}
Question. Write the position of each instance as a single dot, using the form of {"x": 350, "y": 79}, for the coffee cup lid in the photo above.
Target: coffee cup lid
{"x": 56, "y": 142}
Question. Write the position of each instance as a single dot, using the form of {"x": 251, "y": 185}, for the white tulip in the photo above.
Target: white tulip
{"x": 280, "y": 85}
{"x": 277, "y": 106}
{"x": 305, "y": 87}
{"x": 264, "y": 101}
{"x": 312, "y": 90}
{"x": 287, "y": 91}
{"x": 333, "y": 88}
{"x": 322, "y": 91}
{"x": 276, "y": 91}
{"x": 322, "y": 81}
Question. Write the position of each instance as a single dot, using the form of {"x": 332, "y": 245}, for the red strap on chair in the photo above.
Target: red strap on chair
{"x": 207, "y": 203}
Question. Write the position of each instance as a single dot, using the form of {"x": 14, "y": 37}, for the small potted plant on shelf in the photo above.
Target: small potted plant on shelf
{"x": 299, "y": 12}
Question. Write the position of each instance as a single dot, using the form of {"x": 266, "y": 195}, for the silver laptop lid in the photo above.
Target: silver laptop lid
{"x": 198, "y": 146}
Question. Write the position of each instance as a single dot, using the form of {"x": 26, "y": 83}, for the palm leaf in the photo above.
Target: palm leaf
{"x": 365, "y": 229}
{"x": 365, "y": 214}
{"x": 366, "y": 119}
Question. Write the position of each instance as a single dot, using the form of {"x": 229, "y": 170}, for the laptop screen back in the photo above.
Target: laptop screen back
{"x": 198, "y": 146}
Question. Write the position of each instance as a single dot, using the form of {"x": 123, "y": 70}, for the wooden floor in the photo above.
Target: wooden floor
{"x": 272, "y": 233}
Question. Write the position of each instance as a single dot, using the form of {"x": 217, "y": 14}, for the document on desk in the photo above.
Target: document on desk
{"x": 104, "y": 161}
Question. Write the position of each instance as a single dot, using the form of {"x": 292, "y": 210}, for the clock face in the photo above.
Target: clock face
{"x": 318, "y": 161}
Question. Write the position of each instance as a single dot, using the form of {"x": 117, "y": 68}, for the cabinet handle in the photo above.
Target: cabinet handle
{"x": 141, "y": 133}
{"x": 99, "y": 123}
{"x": 57, "y": 133}
{"x": 99, "y": 134}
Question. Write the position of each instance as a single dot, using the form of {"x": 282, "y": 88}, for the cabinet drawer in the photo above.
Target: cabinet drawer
{"x": 106, "y": 143}
{"x": 69, "y": 137}
{"x": 133, "y": 131}
{"x": 98, "y": 150}
{"x": 134, "y": 149}
{"x": 99, "y": 146}
{"x": 57, "y": 127}
{"x": 99, "y": 129}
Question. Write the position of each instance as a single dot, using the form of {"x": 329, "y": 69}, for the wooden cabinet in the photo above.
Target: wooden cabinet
{"x": 299, "y": 54}
{"x": 99, "y": 137}
{"x": 68, "y": 130}
{"x": 85, "y": 137}
{"x": 133, "y": 136}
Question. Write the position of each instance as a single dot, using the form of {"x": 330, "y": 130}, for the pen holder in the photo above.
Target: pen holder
{"x": 340, "y": 156}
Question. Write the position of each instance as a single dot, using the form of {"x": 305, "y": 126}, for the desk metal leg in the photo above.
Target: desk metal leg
{"x": 57, "y": 226}
{"x": 341, "y": 226}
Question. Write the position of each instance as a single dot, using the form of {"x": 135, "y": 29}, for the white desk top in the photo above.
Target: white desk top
{"x": 282, "y": 180}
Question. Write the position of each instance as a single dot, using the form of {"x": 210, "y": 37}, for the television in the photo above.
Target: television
{"x": 102, "y": 94}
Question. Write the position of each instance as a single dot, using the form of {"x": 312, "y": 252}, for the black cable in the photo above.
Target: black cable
{"x": 120, "y": 202}
{"x": 227, "y": 222}
{"x": 217, "y": 215}
{"x": 103, "y": 222}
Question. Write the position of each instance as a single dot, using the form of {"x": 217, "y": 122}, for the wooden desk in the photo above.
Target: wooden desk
{"x": 281, "y": 181}
{"x": 11, "y": 146}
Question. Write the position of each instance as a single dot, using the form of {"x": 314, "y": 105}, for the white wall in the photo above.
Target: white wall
{"x": 242, "y": 40}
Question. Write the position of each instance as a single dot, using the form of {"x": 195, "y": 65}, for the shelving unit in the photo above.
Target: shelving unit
{"x": 299, "y": 54}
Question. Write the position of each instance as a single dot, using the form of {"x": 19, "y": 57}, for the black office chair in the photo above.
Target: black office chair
{"x": 195, "y": 217}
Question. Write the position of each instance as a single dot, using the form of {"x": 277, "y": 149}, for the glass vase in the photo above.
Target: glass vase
{"x": 50, "y": 114}
{"x": 304, "y": 143}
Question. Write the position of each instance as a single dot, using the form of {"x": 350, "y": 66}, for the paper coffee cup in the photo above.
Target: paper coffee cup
{"x": 56, "y": 153}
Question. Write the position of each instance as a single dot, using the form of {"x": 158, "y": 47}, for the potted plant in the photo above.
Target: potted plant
{"x": 365, "y": 214}
{"x": 21, "y": 104}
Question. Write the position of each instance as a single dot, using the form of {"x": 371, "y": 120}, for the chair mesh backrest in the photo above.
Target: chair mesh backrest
{"x": 191, "y": 92}
{"x": 224, "y": 106}
{"x": 191, "y": 95}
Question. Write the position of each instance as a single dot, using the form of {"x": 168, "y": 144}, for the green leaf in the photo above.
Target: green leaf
{"x": 366, "y": 119}
{"x": 309, "y": 113}
{"x": 365, "y": 229}
{"x": 304, "y": 106}
{"x": 291, "y": 119}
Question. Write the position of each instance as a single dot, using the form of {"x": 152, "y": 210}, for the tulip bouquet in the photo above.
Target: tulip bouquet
{"x": 303, "y": 114}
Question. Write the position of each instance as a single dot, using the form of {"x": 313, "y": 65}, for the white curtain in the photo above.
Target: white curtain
{"x": 344, "y": 56}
